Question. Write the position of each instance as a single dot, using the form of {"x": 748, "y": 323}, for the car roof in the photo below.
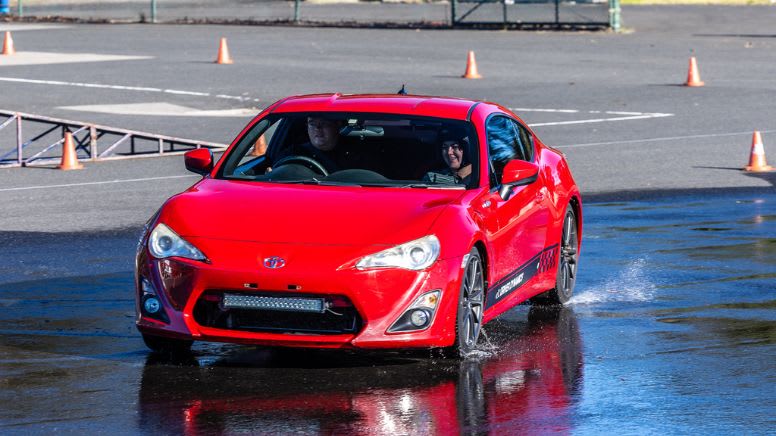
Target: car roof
{"x": 419, "y": 105}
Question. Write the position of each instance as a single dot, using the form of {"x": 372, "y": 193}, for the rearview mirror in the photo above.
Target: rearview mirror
{"x": 517, "y": 173}
{"x": 199, "y": 161}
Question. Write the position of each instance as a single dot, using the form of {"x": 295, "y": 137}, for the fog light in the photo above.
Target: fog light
{"x": 419, "y": 315}
{"x": 152, "y": 305}
{"x": 419, "y": 318}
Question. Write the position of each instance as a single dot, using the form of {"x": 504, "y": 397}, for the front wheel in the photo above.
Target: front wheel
{"x": 566, "y": 276}
{"x": 470, "y": 305}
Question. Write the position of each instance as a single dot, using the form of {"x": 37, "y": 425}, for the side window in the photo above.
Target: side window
{"x": 525, "y": 141}
{"x": 259, "y": 142}
{"x": 248, "y": 156}
{"x": 503, "y": 145}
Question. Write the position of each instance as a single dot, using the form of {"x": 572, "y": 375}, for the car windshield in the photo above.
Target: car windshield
{"x": 357, "y": 150}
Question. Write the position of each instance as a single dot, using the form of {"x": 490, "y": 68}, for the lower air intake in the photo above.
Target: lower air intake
{"x": 277, "y": 313}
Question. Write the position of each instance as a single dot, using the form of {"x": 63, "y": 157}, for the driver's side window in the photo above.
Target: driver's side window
{"x": 259, "y": 142}
{"x": 249, "y": 157}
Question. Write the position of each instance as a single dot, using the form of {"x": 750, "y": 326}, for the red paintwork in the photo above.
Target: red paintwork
{"x": 519, "y": 170}
{"x": 199, "y": 160}
{"x": 321, "y": 231}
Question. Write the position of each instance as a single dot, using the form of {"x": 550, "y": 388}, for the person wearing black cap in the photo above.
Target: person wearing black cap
{"x": 455, "y": 151}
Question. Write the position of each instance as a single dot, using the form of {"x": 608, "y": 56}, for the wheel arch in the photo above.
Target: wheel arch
{"x": 480, "y": 246}
{"x": 575, "y": 202}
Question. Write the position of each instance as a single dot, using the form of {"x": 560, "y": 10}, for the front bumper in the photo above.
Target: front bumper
{"x": 379, "y": 296}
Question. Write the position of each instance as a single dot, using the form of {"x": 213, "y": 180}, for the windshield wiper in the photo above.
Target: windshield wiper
{"x": 315, "y": 181}
{"x": 431, "y": 186}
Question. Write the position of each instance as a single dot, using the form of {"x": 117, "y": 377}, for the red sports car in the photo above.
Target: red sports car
{"x": 366, "y": 221}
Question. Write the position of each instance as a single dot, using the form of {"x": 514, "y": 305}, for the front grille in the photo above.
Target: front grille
{"x": 255, "y": 313}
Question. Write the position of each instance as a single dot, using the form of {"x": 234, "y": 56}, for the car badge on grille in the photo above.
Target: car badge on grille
{"x": 274, "y": 262}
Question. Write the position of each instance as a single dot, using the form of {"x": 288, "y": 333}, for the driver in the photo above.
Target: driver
{"x": 324, "y": 135}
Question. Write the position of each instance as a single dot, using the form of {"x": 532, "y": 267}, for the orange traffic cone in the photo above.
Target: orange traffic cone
{"x": 471, "y": 68}
{"x": 757, "y": 161}
{"x": 8, "y": 45}
{"x": 223, "y": 53}
{"x": 69, "y": 156}
{"x": 693, "y": 76}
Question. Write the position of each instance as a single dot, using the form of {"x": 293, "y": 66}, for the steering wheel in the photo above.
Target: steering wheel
{"x": 304, "y": 160}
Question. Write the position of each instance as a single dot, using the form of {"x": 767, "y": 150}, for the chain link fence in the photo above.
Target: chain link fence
{"x": 386, "y": 13}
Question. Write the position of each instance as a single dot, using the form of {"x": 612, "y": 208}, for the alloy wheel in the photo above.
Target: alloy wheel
{"x": 470, "y": 312}
{"x": 567, "y": 272}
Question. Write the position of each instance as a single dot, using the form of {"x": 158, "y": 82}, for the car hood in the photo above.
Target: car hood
{"x": 305, "y": 214}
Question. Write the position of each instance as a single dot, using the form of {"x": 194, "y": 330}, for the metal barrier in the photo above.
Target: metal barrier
{"x": 92, "y": 142}
{"x": 555, "y": 14}
{"x": 340, "y": 13}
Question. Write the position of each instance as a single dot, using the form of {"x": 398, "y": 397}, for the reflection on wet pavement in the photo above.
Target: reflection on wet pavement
{"x": 672, "y": 329}
{"x": 530, "y": 385}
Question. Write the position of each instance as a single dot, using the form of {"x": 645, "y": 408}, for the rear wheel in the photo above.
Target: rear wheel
{"x": 158, "y": 344}
{"x": 470, "y": 305}
{"x": 566, "y": 277}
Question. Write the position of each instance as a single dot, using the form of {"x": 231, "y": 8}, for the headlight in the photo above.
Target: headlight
{"x": 166, "y": 243}
{"x": 414, "y": 255}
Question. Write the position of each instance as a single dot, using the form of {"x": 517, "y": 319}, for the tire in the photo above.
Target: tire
{"x": 158, "y": 344}
{"x": 566, "y": 276}
{"x": 471, "y": 298}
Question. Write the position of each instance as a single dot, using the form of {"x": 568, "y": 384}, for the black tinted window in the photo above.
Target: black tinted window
{"x": 524, "y": 141}
{"x": 504, "y": 144}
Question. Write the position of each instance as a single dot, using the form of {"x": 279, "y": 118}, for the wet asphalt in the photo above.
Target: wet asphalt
{"x": 672, "y": 330}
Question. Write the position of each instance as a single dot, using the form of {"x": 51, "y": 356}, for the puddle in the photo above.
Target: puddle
{"x": 733, "y": 331}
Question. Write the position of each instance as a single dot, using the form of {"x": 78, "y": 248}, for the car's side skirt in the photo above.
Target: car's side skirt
{"x": 538, "y": 264}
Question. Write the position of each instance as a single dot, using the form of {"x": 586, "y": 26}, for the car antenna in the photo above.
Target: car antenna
{"x": 402, "y": 91}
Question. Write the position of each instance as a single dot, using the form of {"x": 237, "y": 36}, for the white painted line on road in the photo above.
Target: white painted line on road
{"x": 104, "y": 182}
{"x": 175, "y": 91}
{"x": 623, "y": 113}
{"x": 79, "y": 84}
{"x": 126, "y": 88}
{"x": 628, "y": 116}
{"x": 234, "y": 97}
{"x": 161, "y": 109}
{"x": 602, "y": 120}
{"x": 665, "y": 138}
{"x": 565, "y": 111}
{"x": 11, "y": 27}
{"x": 45, "y": 58}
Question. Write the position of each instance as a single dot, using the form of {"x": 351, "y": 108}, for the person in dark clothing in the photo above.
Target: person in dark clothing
{"x": 324, "y": 138}
{"x": 455, "y": 150}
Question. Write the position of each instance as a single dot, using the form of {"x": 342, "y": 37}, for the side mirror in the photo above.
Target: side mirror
{"x": 517, "y": 173}
{"x": 199, "y": 161}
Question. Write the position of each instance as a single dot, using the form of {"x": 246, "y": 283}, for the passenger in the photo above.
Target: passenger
{"x": 455, "y": 151}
